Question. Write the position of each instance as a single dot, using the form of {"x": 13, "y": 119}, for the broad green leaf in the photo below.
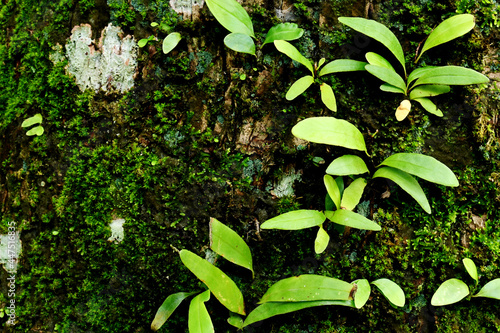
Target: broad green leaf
{"x": 223, "y": 288}
{"x": 423, "y": 166}
{"x": 240, "y": 43}
{"x": 407, "y": 183}
{"x": 351, "y": 219}
{"x": 283, "y": 31}
{"x": 340, "y": 184}
{"x": 428, "y": 90}
{"x": 377, "y": 60}
{"x": 36, "y": 119}
{"x": 490, "y": 290}
{"x": 328, "y": 97}
{"x": 379, "y": 32}
{"x": 321, "y": 62}
{"x": 142, "y": 42}
{"x": 362, "y": 293}
{"x": 329, "y": 204}
{"x": 235, "y": 320}
{"x": 37, "y": 130}
{"x": 449, "y": 29}
{"x": 293, "y": 53}
{"x": 449, "y": 292}
{"x": 295, "y": 220}
{"x": 387, "y": 75}
{"x": 419, "y": 72}
{"x": 471, "y": 268}
{"x": 271, "y": 309}
{"x": 347, "y": 165}
{"x": 299, "y": 86}
{"x": 332, "y": 189}
{"x": 199, "y": 320}
{"x": 330, "y": 131}
{"x": 307, "y": 287}
{"x": 171, "y": 41}
{"x": 391, "y": 291}
{"x": 154, "y": 24}
{"x": 352, "y": 194}
{"x": 227, "y": 243}
{"x": 232, "y": 16}
{"x": 390, "y": 88}
{"x": 321, "y": 241}
{"x": 451, "y": 75}
{"x": 167, "y": 308}
{"x": 342, "y": 65}
{"x": 429, "y": 106}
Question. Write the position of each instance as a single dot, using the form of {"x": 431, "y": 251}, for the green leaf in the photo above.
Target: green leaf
{"x": 227, "y": 243}
{"x": 332, "y": 189}
{"x": 390, "y": 88}
{"x": 328, "y": 97}
{"x": 342, "y": 65}
{"x": 283, "y": 31}
{"x": 387, "y": 75}
{"x": 232, "y": 16}
{"x": 362, "y": 293}
{"x": 449, "y": 29}
{"x": 449, "y": 292}
{"x": 36, "y": 119}
{"x": 423, "y": 166}
{"x": 199, "y": 320}
{"x": 295, "y": 220}
{"x": 428, "y": 91}
{"x": 235, "y": 320}
{"x": 308, "y": 287}
{"x": 352, "y": 194}
{"x": 293, "y": 53}
{"x": 429, "y": 106}
{"x": 490, "y": 290}
{"x": 407, "y": 183}
{"x": 240, "y": 43}
{"x": 391, "y": 291}
{"x": 167, "y": 308}
{"x": 267, "y": 310}
{"x": 321, "y": 241}
{"x": 154, "y": 24}
{"x": 223, "y": 288}
{"x": 377, "y": 60}
{"x": 379, "y": 32}
{"x": 142, "y": 42}
{"x": 419, "y": 72}
{"x": 37, "y": 130}
{"x": 351, "y": 219}
{"x": 330, "y": 131}
{"x": 171, "y": 41}
{"x": 451, "y": 75}
{"x": 347, "y": 165}
{"x": 471, "y": 268}
{"x": 321, "y": 62}
{"x": 299, "y": 86}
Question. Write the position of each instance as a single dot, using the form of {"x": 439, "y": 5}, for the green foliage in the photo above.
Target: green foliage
{"x": 35, "y": 120}
{"x": 169, "y": 42}
{"x": 167, "y": 308}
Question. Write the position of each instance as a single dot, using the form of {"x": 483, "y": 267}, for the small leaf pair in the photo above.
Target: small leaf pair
{"x": 35, "y": 120}
{"x": 169, "y": 42}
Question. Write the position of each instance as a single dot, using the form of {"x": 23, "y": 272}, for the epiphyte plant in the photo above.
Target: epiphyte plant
{"x": 317, "y": 70}
{"x": 232, "y": 16}
{"x": 35, "y": 120}
{"x": 423, "y": 82}
{"x": 169, "y": 42}
{"x": 454, "y": 290}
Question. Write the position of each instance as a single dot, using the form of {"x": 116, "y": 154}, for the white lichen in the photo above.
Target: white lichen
{"x": 10, "y": 250}
{"x": 117, "y": 232}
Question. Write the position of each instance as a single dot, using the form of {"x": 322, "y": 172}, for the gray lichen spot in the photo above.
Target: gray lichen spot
{"x": 111, "y": 65}
{"x": 284, "y": 186}
{"x": 10, "y": 249}
{"x": 188, "y": 8}
{"x": 117, "y": 232}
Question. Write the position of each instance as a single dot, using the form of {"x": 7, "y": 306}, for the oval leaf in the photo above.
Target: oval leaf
{"x": 390, "y": 88}
{"x": 490, "y": 290}
{"x": 471, "y": 268}
{"x": 283, "y": 31}
{"x": 391, "y": 291}
{"x": 328, "y": 97}
{"x": 423, "y": 166}
{"x": 419, "y": 72}
{"x": 449, "y": 292}
{"x": 235, "y": 320}
{"x": 429, "y": 106}
{"x": 36, "y": 119}
{"x": 299, "y": 86}
{"x": 223, "y": 288}
{"x": 37, "y": 130}
{"x": 240, "y": 43}
{"x": 232, "y": 16}
{"x": 330, "y": 131}
{"x": 362, "y": 293}
{"x": 347, "y": 165}
{"x": 295, "y": 220}
{"x": 342, "y": 65}
{"x": 228, "y": 244}
{"x": 351, "y": 219}
{"x": 332, "y": 189}
{"x": 199, "y": 320}
{"x": 451, "y": 75}
{"x": 307, "y": 287}
{"x": 171, "y": 41}
{"x": 167, "y": 308}
{"x": 428, "y": 90}
{"x": 352, "y": 194}
{"x": 377, "y": 60}
{"x": 293, "y": 53}
{"x": 387, "y": 75}
{"x": 321, "y": 241}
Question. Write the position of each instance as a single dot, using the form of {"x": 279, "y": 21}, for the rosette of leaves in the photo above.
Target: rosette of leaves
{"x": 423, "y": 82}
{"x": 232, "y": 16}
{"x": 317, "y": 71}
{"x": 35, "y": 120}
{"x": 169, "y": 42}
{"x": 454, "y": 290}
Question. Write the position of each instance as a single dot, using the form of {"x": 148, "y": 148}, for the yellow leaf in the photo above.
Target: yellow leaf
{"x": 403, "y": 110}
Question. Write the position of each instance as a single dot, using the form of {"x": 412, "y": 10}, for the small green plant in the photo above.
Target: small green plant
{"x": 169, "y": 42}
{"x": 423, "y": 82}
{"x": 454, "y": 290}
{"x": 35, "y": 120}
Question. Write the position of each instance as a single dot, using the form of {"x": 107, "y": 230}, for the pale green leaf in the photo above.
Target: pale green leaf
{"x": 330, "y": 131}
{"x": 423, "y": 166}
{"x": 227, "y": 243}
{"x": 407, "y": 183}
{"x": 451, "y": 75}
{"x": 342, "y": 65}
{"x": 321, "y": 62}
{"x": 429, "y": 106}
{"x": 308, "y": 287}
{"x": 36, "y": 119}
{"x": 167, "y": 308}
{"x": 490, "y": 290}
{"x": 347, "y": 165}
{"x": 293, "y": 53}
{"x": 387, "y": 75}
{"x": 362, "y": 293}
{"x": 199, "y": 320}
{"x": 154, "y": 24}
{"x": 352, "y": 194}
{"x": 171, "y": 41}
{"x": 428, "y": 90}
{"x": 351, "y": 219}
{"x": 299, "y": 86}
{"x": 221, "y": 286}
{"x": 328, "y": 97}
{"x": 419, "y": 72}
{"x": 471, "y": 268}
{"x": 390, "y": 88}
{"x": 232, "y": 16}
{"x": 377, "y": 60}
{"x": 142, "y": 42}
{"x": 240, "y": 43}
{"x": 37, "y": 130}
{"x": 391, "y": 291}
{"x": 321, "y": 241}
{"x": 295, "y": 220}
{"x": 332, "y": 189}
{"x": 449, "y": 292}
{"x": 283, "y": 31}
{"x": 235, "y": 320}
